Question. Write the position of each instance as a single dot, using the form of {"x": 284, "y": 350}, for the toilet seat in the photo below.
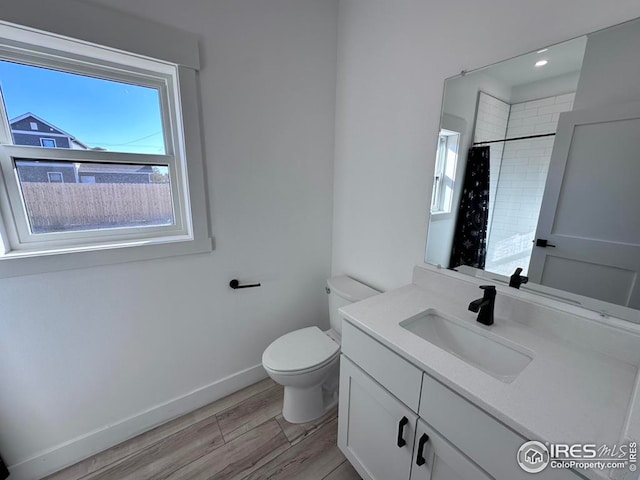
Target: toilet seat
{"x": 300, "y": 351}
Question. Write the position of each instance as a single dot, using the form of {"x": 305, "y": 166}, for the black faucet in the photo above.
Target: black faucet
{"x": 485, "y": 305}
{"x": 516, "y": 279}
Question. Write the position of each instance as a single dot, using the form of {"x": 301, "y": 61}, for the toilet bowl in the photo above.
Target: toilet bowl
{"x": 306, "y": 361}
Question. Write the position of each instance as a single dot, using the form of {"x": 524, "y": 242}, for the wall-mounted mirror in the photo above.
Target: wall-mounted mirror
{"x": 538, "y": 168}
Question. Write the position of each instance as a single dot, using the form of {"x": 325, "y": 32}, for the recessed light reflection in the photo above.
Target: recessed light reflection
{"x": 541, "y": 63}
{"x": 542, "y": 51}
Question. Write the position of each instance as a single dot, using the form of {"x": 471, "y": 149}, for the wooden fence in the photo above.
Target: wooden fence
{"x": 74, "y": 206}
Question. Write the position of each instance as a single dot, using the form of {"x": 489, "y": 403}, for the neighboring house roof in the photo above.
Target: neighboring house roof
{"x": 113, "y": 168}
{"x": 80, "y": 144}
{"x": 53, "y": 127}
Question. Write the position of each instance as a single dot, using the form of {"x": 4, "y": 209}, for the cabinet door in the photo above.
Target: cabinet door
{"x": 376, "y": 430}
{"x": 436, "y": 459}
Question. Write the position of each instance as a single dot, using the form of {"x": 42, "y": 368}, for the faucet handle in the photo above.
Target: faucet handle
{"x": 516, "y": 279}
{"x": 489, "y": 291}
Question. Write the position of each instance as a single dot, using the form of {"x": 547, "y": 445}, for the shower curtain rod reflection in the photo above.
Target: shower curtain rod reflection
{"x": 516, "y": 138}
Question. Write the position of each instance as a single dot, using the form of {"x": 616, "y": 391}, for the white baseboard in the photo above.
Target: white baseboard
{"x": 77, "y": 449}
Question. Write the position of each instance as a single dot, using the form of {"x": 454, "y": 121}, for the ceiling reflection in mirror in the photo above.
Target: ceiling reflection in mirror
{"x": 538, "y": 168}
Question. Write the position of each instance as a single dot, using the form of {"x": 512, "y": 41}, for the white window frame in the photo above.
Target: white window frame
{"x": 55, "y": 144}
{"x": 45, "y": 50}
{"x": 49, "y": 174}
{"x": 445, "y": 173}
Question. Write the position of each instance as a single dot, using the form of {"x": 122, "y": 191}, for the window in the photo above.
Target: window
{"x": 54, "y": 177}
{"x": 125, "y": 196}
{"x": 111, "y": 170}
{"x": 445, "y": 172}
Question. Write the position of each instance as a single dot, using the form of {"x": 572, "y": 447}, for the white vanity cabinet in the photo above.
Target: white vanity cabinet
{"x": 398, "y": 423}
{"x": 384, "y": 439}
{"x": 376, "y": 431}
{"x": 434, "y": 458}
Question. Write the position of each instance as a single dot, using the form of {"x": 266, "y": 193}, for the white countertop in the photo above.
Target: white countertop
{"x": 569, "y": 393}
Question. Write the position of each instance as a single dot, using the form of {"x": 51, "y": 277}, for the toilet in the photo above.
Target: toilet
{"x": 307, "y": 361}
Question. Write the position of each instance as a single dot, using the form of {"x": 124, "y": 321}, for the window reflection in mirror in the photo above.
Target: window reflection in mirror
{"x": 445, "y": 172}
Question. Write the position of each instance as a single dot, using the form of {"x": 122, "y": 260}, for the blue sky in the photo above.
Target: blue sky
{"x": 100, "y": 113}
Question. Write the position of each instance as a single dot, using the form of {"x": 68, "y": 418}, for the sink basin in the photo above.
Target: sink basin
{"x": 495, "y": 356}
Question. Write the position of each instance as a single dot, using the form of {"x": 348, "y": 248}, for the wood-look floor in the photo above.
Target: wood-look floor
{"x": 242, "y": 436}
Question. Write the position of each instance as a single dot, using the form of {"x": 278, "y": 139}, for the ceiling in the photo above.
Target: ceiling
{"x": 563, "y": 58}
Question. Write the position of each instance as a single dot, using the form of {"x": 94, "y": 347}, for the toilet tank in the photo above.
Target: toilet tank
{"x": 343, "y": 291}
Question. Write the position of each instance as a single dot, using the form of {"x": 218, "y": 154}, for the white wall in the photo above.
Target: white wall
{"x": 393, "y": 58}
{"x": 610, "y": 60}
{"x": 86, "y": 349}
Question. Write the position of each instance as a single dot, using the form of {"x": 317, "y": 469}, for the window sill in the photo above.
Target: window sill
{"x": 19, "y": 263}
{"x": 440, "y": 214}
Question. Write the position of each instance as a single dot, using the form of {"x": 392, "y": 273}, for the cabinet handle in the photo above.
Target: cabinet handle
{"x": 401, "y": 441}
{"x": 420, "y": 460}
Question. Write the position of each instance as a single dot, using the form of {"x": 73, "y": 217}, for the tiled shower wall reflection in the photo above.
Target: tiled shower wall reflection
{"x": 519, "y": 187}
{"x": 492, "y": 117}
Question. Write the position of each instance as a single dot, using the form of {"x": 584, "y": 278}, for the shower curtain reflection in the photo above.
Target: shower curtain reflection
{"x": 470, "y": 238}
{"x": 4, "y": 472}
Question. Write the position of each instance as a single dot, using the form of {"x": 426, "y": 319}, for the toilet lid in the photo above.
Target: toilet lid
{"x": 299, "y": 350}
